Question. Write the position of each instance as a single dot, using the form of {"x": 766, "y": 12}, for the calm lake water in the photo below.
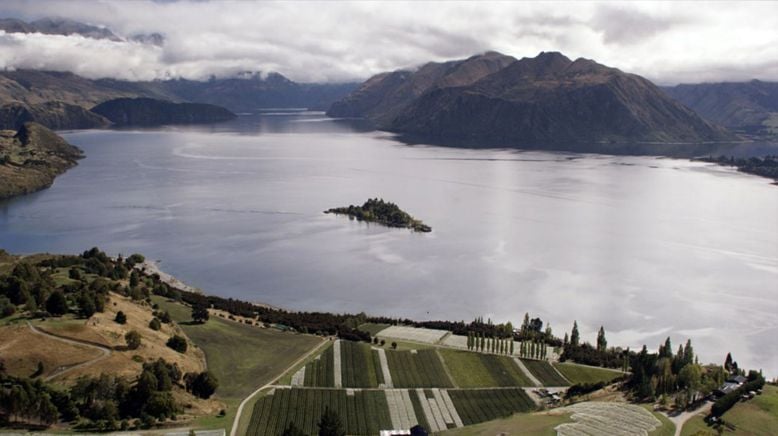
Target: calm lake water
{"x": 647, "y": 247}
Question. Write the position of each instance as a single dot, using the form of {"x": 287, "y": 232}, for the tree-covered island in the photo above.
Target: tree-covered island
{"x": 383, "y": 212}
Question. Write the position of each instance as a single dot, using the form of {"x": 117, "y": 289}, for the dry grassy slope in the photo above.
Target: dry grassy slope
{"x": 101, "y": 328}
{"x": 22, "y": 349}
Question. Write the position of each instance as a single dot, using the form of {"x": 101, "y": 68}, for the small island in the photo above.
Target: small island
{"x": 379, "y": 211}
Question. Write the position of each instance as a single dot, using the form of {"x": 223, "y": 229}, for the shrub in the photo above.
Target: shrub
{"x": 133, "y": 339}
{"x": 154, "y": 324}
{"x": 177, "y": 343}
{"x": 121, "y": 318}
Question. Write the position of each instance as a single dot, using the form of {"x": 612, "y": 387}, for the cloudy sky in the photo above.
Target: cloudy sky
{"x": 340, "y": 41}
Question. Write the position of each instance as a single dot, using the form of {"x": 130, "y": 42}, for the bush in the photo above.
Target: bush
{"x": 133, "y": 339}
{"x": 121, "y": 318}
{"x": 154, "y": 324}
{"x": 202, "y": 385}
{"x": 177, "y": 343}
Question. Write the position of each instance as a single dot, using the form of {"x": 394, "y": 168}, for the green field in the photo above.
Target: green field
{"x": 364, "y": 413}
{"x": 319, "y": 372}
{"x": 545, "y": 373}
{"x": 578, "y": 374}
{"x": 473, "y": 370}
{"x": 242, "y": 357}
{"x": 372, "y": 328}
{"x": 422, "y": 369}
{"x": 476, "y": 406}
{"x": 359, "y": 365}
{"x": 758, "y": 416}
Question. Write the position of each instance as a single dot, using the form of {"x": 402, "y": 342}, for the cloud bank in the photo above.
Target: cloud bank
{"x": 341, "y": 41}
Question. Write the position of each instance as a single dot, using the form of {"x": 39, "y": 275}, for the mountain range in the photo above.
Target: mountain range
{"x": 530, "y": 102}
{"x": 748, "y": 107}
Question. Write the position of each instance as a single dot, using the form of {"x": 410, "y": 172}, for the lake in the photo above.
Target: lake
{"x": 648, "y": 247}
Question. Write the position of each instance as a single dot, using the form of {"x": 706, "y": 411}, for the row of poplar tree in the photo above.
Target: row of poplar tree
{"x": 478, "y": 341}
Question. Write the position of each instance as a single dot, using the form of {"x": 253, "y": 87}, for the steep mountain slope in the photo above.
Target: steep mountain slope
{"x": 52, "y": 114}
{"x": 748, "y": 106}
{"x": 384, "y": 96}
{"x": 535, "y": 102}
{"x": 151, "y": 112}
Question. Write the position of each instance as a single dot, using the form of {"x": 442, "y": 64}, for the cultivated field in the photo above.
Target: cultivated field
{"x": 545, "y": 373}
{"x": 479, "y": 405}
{"x": 360, "y": 365}
{"x": 471, "y": 370}
{"x": 320, "y": 372}
{"x": 586, "y": 374}
{"x": 607, "y": 419}
{"x": 362, "y": 412}
{"x": 427, "y": 336}
{"x": 420, "y": 369}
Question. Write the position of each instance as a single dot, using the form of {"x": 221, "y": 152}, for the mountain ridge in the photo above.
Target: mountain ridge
{"x": 535, "y": 102}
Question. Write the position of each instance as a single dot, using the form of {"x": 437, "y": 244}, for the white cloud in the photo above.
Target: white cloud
{"x": 668, "y": 42}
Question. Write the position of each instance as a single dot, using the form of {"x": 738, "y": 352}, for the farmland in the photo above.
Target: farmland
{"x": 482, "y": 370}
{"x": 543, "y": 371}
{"x": 360, "y": 366}
{"x": 607, "y": 418}
{"x": 363, "y": 413}
{"x": 413, "y": 334}
{"x": 420, "y": 369}
{"x": 586, "y": 374}
{"x": 320, "y": 372}
{"x": 479, "y": 405}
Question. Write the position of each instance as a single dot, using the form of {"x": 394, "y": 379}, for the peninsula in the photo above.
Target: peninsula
{"x": 31, "y": 158}
{"x": 379, "y": 211}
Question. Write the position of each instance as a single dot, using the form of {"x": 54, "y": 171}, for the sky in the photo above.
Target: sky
{"x": 667, "y": 42}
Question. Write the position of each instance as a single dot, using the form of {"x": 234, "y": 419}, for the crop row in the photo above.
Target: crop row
{"x": 545, "y": 373}
{"x": 363, "y": 413}
{"x": 481, "y": 405}
{"x": 360, "y": 367}
{"x": 320, "y": 372}
{"x": 422, "y": 369}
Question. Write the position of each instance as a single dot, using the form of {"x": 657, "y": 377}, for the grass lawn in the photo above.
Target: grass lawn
{"x": 586, "y": 374}
{"x": 242, "y": 357}
{"x": 372, "y": 328}
{"x": 758, "y": 416}
{"x": 533, "y": 424}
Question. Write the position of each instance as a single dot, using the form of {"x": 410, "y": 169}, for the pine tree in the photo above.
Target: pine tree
{"x": 728, "y": 362}
{"x": 525, "y": 326}
{"x": 574, "y": 336}
{"x": 688, "y": 352}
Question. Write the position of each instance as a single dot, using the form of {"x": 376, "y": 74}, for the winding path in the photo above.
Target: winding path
{"x": 105, "y": 351}
{"x": 236, "y": 421}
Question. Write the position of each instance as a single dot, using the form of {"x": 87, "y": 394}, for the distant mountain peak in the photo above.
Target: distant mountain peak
{"x": 57, "y": 26}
